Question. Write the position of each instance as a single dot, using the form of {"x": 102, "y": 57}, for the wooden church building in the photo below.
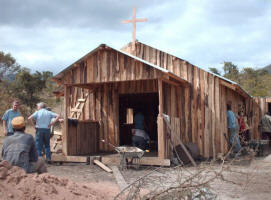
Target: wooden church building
{"x": 107, "y": 86}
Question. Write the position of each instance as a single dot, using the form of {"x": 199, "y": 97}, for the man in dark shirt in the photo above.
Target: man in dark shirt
{"x": 140, "y": 138}
{"x": 19, "y": 149}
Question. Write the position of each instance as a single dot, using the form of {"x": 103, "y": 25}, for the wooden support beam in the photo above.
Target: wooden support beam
{"x": 119, "y": 178}
{"x": 103, "y": 166}
{"x": 171, "y": 82}
{"x": 150, "y": 161}
{"x": 160, "y": 124}
{"x": 63, "y": 158}
{"x": 228, "y": 85}
{"x": 181, "y": 143}
{"x": 76, "y": 110}
{"x": 65, "y": 130}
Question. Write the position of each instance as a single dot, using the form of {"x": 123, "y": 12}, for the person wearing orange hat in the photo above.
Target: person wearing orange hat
{"x": 20, "y": 150}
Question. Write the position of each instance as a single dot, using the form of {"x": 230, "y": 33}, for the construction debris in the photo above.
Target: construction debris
{"x": 103, "y": 166}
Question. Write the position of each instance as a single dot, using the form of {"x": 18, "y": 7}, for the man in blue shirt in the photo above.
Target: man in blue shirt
{"x": 233, "y": 130}
{"x": 43, "y": 118}
{"x": 8, "y": 117}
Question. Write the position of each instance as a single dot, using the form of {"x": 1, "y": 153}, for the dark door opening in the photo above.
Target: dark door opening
{"x": 269, "y": 107}
{"x": 129, "y": 104}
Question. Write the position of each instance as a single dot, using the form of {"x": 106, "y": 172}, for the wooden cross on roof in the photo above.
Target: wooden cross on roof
{"x": 133, "y": 21}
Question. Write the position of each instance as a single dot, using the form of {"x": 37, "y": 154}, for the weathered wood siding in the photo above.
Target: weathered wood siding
{"x": 102, "y": 105}
{"x": 107, "y": 65}
{"x": 201, "y": 107}
{"x": 83, "y": 138}
{"x": 198, "y": 111}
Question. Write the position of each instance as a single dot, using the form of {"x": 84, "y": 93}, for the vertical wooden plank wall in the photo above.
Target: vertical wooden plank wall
{"x": 203, "y": 117}
{"x": 102, "y": 105}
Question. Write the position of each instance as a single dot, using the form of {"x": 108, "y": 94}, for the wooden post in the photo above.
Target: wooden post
{"x": 65, "y": 129}
{"x": 160, "y": 122}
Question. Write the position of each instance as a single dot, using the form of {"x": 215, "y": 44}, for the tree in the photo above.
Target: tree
{"x": 231, "y": 71}
{"x": 28, "y": 87}
{"x": 256, "y": 82}
{"x": 214, "y": 70}
{"x": 8, "y": 66}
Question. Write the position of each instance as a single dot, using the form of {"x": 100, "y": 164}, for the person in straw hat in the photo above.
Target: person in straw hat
{"x": 20, "y": 150}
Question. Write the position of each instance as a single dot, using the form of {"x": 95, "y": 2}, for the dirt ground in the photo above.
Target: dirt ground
{"x": 244, "y": 180}
{"x": 251, "y": 181}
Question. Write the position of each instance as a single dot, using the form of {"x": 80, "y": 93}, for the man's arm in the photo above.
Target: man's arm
{"x": 31, "y": 121}
{"x": 5, "y": 127}
{"x": 53, "y": 122}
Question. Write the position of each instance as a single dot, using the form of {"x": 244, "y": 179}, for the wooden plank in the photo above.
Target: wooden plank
{"x": 119, "y": 178}
{"x": 218, "y": 133}
{"x": 63, "y": 158}
{"x": 76, "y": 110}
{"x": 103, "y": 166}
{"x": 65, "y": 131}
{"x": 160, "y": 123}
{"x": 149, "y": 161}
{"x": 180, "y": 142}
{"x": 207, "y": 119}
{"x": 212, "y": 114}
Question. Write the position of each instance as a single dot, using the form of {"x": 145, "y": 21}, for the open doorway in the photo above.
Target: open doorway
{"x": 129, "y": 105}
{"x": 269, "y": 107}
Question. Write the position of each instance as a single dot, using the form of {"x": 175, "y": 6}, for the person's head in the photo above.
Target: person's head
{"x": 228, "y": 106}
{"x": 15, "y": 105}
{"x": 41, "y": 105}
{"x": 18, "y": 124}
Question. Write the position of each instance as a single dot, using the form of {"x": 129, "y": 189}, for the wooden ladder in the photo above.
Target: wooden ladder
{"x": 75, "y": 113}
{"x": 78, "y": 109}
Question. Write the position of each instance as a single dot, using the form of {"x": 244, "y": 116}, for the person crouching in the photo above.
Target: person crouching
{"x": 20, "y": 150}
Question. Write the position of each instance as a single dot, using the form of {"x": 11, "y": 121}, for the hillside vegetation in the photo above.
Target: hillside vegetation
{"x": 17, "y": 82}
{"x": 257, "y": 82}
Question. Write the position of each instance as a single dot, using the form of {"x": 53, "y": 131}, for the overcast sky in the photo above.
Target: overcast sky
{"x": 52, "y": 34}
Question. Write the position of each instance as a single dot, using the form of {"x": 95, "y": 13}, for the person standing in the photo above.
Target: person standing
{"x": 43, "y": 118}
{"x": 265, "y": 125}
{"x": 233, "y": 130}
{"x": 9, "y": 116}
{"x": 19, "y": 149}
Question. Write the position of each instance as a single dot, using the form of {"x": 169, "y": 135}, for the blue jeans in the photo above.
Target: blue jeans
{"x": 234, "y": 139}
{"x": 43, "y": 140}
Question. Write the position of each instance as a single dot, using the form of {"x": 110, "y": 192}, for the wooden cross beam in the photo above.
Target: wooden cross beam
{"x": 134, "y": 20}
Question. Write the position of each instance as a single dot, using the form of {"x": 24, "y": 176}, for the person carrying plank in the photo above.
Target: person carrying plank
{"x": 43, "y": 118}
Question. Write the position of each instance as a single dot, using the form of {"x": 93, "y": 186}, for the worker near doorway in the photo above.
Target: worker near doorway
{"x": 140, "y": 138}
{"x": 233, "y": 130}
{"x": 265, "y": 125}
{"x": 44, "y": 122}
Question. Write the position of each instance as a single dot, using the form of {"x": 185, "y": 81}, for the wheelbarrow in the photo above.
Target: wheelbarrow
{"x": 133, "y": 154}
{"x": 128, "y": 155}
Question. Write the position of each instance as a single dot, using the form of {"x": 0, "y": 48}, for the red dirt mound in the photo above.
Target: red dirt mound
{"x": 16, "y": 184}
